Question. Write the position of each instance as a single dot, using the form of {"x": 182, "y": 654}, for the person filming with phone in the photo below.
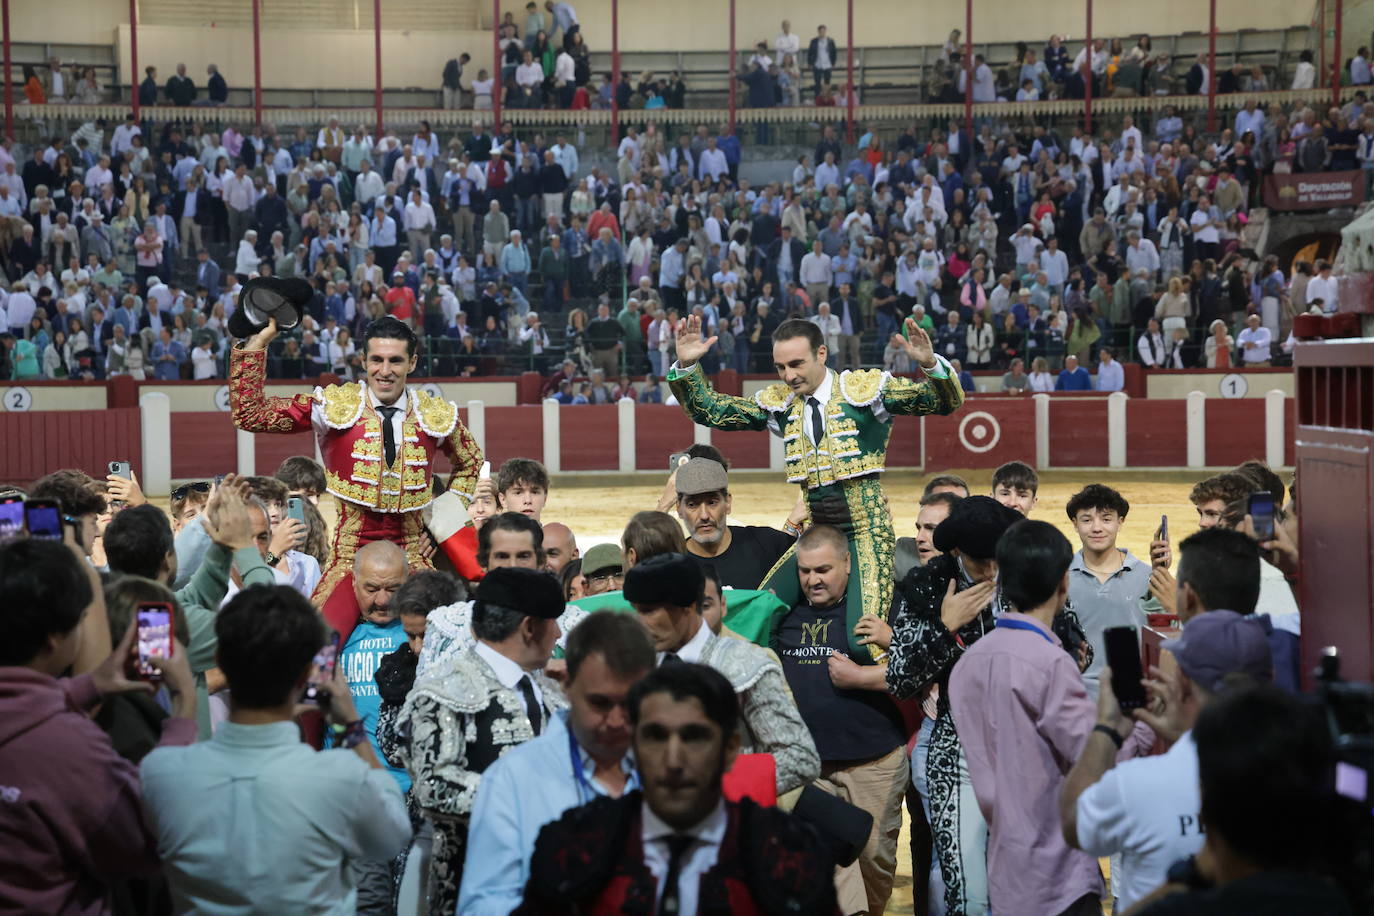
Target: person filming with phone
{"x": 1148, "y": 810}
{"x": 71, "y": 819}
{"x": 254, "y": 819}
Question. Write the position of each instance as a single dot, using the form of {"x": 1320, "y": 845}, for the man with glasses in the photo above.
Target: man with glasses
{"x": 604, "y": 569}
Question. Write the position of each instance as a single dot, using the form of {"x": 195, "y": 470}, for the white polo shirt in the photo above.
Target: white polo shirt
{"x": 1147, "y": 809}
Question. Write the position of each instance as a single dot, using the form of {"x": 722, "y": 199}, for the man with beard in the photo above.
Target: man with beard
{"x": 581, "y": 756}
{"x": 742, "y": 555}
{"x": 686, "y": 844}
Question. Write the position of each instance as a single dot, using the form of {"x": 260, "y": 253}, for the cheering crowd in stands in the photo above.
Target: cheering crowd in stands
{"x": 1024, "y": 767}
{"x": 1047, "y": 256}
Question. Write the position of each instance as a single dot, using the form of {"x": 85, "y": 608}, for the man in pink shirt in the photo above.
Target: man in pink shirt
{"x": 1023, "y": 716}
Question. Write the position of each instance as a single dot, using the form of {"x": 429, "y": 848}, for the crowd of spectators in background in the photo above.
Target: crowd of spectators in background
{"x": 1021, "y": 248}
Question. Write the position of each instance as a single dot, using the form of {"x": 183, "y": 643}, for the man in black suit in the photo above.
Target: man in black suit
{"x": 421, "y": 176}
{"x": 1197, "y": 75}
{"x": 821, "y": 57}
{"x": 37, "y": 172}
{"x": 269, "y": 214}
{"x": 216, "y": 87}
{"x": 784, "y": 259}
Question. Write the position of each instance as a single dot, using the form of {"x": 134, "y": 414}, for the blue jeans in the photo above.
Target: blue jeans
{"x": 553, "y": 295}
{"x": 518, "y": 282}
{"x": 741, "y": 354}
{"x": 919, "y": 754}
{"x": 526, "y": 215}
{"x": 886, "y": 327}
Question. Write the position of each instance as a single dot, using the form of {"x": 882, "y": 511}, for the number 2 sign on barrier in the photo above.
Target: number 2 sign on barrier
{"x": 18, "y": 399}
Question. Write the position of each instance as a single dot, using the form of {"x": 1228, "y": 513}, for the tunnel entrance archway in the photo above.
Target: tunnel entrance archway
{"x": 1309, "y": 246}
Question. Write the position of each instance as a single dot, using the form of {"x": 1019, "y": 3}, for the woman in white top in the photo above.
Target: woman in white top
{"x": 246, "y": 261}
{"x": 337, "y": 353}
{"x": 1040, "y": 378}
{"x": 481, "y": 91}
{"x": 1305, "y": 74}
{"x": 979, "y": 337}
{"x": 358, "y": 237}
{"x": 203, "y": 360}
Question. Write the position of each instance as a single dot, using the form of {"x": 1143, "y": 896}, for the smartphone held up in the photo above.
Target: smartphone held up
{"x": 154, "y": 622}
{"x": 1123, "y": 657}
{"x": 322, "y": 671}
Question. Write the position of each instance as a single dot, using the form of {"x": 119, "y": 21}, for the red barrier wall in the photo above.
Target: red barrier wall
{"x": 986, "y": 432}
{"x": 1238, "y": 433}
{"x": 34, "y": 444}
{"x": 661, "y": 430}
{"x": 203, "y": 445}
{"x": 1157, "y": 433}
{"x": 1078, "y": 432}
{"x": 514, "y": 432}
{"x": 589, "y": 437}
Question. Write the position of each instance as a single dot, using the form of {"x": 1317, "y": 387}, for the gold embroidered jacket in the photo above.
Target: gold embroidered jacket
{"x": 351, "y": 439}
{"x": 858, "y": 418}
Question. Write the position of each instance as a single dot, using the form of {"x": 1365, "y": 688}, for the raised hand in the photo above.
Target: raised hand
{"x": 917, "y": 344}
{"x": 690, "y": 346}
{"x": 260, "y": 340}
{"x": 126, "y": 489}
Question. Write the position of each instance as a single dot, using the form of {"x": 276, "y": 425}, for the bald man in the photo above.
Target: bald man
{"x": 560, "y": 547}
{"x": 379, "y": 568}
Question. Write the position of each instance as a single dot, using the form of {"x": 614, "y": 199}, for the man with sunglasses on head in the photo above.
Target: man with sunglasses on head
{"x": 379, "y": 439}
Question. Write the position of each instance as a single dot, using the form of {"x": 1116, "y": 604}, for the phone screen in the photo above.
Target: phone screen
{"x": 322, "y": 669}
{"x": 154, "y": 637}
{"x": 1261, "y": 509}
{"x": 44, "y": 520}
{"x": 11, "y": 517}
{"x": 1123, "y": 656}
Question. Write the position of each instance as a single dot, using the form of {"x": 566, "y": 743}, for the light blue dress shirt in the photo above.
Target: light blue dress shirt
{"x": 254, "y": 821}
{"x": 528, "y": 787}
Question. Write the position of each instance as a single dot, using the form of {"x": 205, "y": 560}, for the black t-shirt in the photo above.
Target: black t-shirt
{"x": 751, "y": 554}
{"x": 845, "y": 724}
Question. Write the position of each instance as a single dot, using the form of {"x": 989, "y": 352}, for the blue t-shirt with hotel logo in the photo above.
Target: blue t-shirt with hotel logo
{"x": 361, "y": 655}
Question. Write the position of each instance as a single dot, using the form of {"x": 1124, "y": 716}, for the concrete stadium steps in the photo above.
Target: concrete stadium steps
{"x": 436, "y": 15}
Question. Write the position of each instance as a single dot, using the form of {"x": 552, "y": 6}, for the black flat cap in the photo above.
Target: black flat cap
{"x": 669, "y": 578}
{"x": 974, "y": 526}
{"x": 532, "y": 592}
